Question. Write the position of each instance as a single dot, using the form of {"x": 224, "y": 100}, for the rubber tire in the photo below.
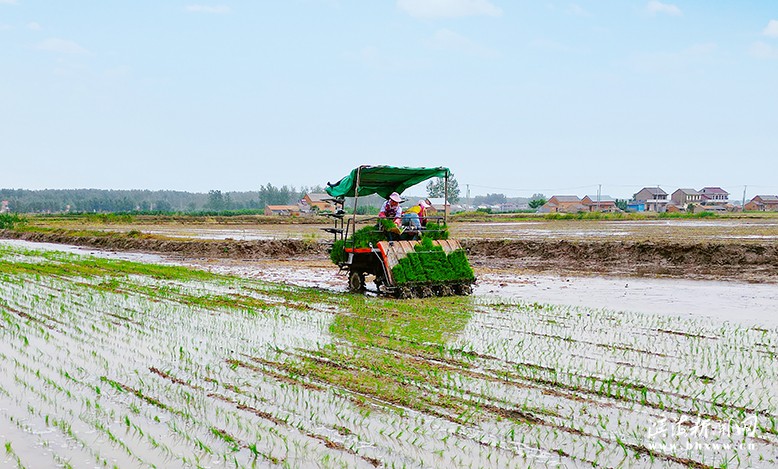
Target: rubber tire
{"x": 356, "y": 282}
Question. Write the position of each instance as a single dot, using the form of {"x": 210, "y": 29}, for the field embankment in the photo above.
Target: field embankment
{"x": 749, "y": 261}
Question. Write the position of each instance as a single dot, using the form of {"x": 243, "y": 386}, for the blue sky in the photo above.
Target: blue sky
{"x": 514, "y": 96}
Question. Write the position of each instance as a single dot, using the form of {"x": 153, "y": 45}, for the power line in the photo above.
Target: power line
{"x": 532, "y": 190}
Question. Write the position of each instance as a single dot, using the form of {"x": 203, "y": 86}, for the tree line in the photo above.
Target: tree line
{"x": 105, "y": 201}
{"x": 164, "y": 201}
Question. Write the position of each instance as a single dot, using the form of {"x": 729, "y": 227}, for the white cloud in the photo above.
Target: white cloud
{"x": 448, "y": 8}
{"x": 7, "y": 2}
{"x": 34, "y": 26}
{"x": 762, "y": 50}
{"x": 218, "y": 9}
{"x": 772, "y": 29}
{"x": 61, "y": 46}
{"x": 655, "y": 7}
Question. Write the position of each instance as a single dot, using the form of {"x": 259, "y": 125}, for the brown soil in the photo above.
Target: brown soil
{"x": 756, "y": 262}
{"x": 259, "y": 249}
{"x": 736, "y": 261}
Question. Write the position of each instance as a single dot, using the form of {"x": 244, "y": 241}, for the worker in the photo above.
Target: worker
{"x": 391, "y": 208}
{"x": 416, "y": 216}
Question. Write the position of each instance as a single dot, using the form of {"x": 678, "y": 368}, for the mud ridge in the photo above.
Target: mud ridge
{"x": 232, "y": 249}
{"x": 754, "y": 262}
{"x": 745, "y": 261}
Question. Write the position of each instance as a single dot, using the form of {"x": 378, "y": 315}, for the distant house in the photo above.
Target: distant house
{"x": 439, "y": 205}
{"x": 4, "y": 207}
{"x": 654, "y": 199}
{"x": 763, "y": 203}
{"x": 511, "y": 207}
{"x": 285, "y": 210}
{"x": 684, "y": 197}
{"x": 636, "y": 206}
{"x": 601, "y": 203}
{"x": 563, "y": 204}
{"x": 717, "y": 208}
{"x": 675, "y": 208}
{"x": 318, "y": 202}
{"x": 548, "y": 207}
{"x": 714, "y": 195}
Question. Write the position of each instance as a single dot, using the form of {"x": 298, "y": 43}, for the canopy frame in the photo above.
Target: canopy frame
{"x": 395, "y": 179}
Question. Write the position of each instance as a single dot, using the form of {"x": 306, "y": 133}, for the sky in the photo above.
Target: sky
{"x": 516, "y": 97}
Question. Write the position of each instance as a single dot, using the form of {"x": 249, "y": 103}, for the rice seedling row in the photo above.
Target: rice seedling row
{"x": 122, "y": 364}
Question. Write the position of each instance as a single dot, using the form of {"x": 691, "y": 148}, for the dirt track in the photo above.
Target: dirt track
{"x": 756, "y": 262}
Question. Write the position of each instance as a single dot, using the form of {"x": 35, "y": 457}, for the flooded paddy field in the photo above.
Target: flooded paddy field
{"x": 690, "y": 230}
{"x": 718, "y": 229}
{"x": 742, "y": 248}
{"x": 115, "y": 362}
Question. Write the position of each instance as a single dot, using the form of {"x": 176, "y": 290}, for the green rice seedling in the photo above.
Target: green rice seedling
{"x": 392, "y": 372}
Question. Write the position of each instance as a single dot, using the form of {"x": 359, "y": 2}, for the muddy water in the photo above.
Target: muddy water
{"x": 224, "y": 232}
{"x": 125, "y": 256}
{"x": 721, "y": 229}
{"x": 687, "y": 230}
{"x": 743, "y": 303}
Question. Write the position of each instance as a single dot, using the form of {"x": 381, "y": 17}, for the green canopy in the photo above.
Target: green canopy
{"x": 382, "y": 180}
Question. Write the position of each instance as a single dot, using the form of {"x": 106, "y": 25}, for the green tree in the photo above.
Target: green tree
{"x": 537, "y": 201}
{"x": 490, "y": 199}
{"x": 162, "y": 206}
{"x": 271, "y": 195}
{"x": 215, "y": 201}
{"x": 621, "y": 204}
{"x": 367, "y": 210}
{"x": 436, "y": 188}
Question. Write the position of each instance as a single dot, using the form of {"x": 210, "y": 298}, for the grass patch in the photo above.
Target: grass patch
{"x": 9, "y": 221}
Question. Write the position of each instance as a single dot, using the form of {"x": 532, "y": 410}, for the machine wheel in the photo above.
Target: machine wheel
{"x": 356, "y": 281}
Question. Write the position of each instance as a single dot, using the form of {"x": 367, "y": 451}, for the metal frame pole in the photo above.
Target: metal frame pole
{"x": 445, "y": 199}
{"x": 356, "y": 198}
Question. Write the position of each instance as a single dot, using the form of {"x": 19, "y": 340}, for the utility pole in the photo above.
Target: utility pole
{"x": 743, "y": 207}
{"x": 599, "y": 191}
{"x": 468, "y": 194}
